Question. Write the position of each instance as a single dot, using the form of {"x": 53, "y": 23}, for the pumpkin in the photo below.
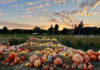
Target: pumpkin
{"x": 96, "y": 53}
{"x": 12, "y": 64}
{"x": 22, "y": 58}
{"x": 80, "y": 66}
{"x": 17, "y": 60}
{"x": 90, "y": 52}
{"x": 27, "y": 64}
{"x": 71, "y": 55}
{"x": 67, "y": 67}
{"x": 99, "y": 57}
{"x": 42, "y": 60}
{"x": 33, "y": 58}
{"x": 30, "y": 65}
{"x": 84, "y": 67}
{"x": 12, "y": 56}
{"x": 86, "y": 58}
{"x": 90, "y": 67}
{"x": 46, "y": 67}
{"x": 63, "y": 65}
{"x": 37, "y": 63}
{"x": 73, "y": 66}
{"x": 93, "y": 57}
{"x": 82, "y": 53}
{"x": 50, "y": 58}
{"x": 58, "y": 61}
{"x": 7, "y": 60}
{"x": 21, "y": 62}
{"x": 77, "y": 58}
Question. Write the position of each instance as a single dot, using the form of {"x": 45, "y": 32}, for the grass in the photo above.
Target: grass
{"x": 77, "y": 42}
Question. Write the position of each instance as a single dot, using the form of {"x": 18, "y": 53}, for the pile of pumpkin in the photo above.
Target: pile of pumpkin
{"x": 81, "y": 60}
{"x": 51, "y": 59}
{"x": 13, "y": 59}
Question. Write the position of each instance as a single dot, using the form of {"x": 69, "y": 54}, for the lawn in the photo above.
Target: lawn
{"x": 77, "y": 42}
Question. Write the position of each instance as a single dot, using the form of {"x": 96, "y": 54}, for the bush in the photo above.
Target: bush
{"x": 16, "y": 41}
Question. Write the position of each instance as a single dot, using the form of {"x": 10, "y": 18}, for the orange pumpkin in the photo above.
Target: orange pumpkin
{"x": 71, "y": 55}
{"x": 77, "y": 58}
{"x": 33, "y": 58}
{"x": 67, "y": 67}
{"x": 99, "y": 57}
{"x": 96, "y": 53}
{"x": 37, "y": 63}
{"x": 82, "y": 53}
{"x": 93, "y": 57}
{"x": 30, "y": 65}
{"x": 46, "y": 67}
{"x": 85, "y": 67}
{"x": 17, "y": 60}
{"x": 12, "y": 56}
{"x": 7, "y": 60}
{"x": 86, "y": 58}
{"x": 90, "y": 67}
{"x": 21, "y": 62}
{"x": 58, "y": 61}
{"x": 22, "y": 58}
{"x": 90, "y": 52}
{"x": 12, "y": 64}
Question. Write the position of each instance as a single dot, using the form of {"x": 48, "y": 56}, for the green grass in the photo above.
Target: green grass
{"x": 76, "y": 42}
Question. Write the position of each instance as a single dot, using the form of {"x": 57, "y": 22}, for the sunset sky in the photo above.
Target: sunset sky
{"x": 27, "y": 14}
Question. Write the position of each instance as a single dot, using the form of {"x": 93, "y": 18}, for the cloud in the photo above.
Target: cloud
{"x": 18, "y": 5}
{"x": 42, "y": 10}
{"x": 29, "y": 17}
{"x": 47, "y": 4}
{"x": 59, "y": 1}
{"x": 16, "y": 25}
{"x": 83, "y": 13}
{"x": 31, "y": 8}
{"x": 7, "y": 1}
{"x": 66, "y": 17}
{"x": 85, "y": 6}
{"x": 89, "y": 3}
{"x": 29, "y": 12}
{"x": 30, "y": 3}
{"x": 54, "y": 20}
{"x": 62, "y": 18}
{"x": 1, "y": 14}
{"x": 40, "y": 6}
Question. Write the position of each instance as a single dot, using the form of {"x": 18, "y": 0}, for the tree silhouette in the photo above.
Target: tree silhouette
{"x": 80, "y": 28}
{"x": 50, "y": 30}
{"x": 64, "y": 31}
{"x": 37, "y": 30}
{"x": 75, "y": 30}
{"x": 56, "y": 29}
{"x": 5, "y": 30}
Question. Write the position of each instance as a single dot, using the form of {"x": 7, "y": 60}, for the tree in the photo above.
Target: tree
{"x": 75, "y": 30}
{"x": 56, "y": 29}
{"x": 50, "y": 30}
{"x": 64, "y": 31}
{"x": 80, "y": 28}
{"x": 37, "y": 30}
{"x": 5, "y": 30}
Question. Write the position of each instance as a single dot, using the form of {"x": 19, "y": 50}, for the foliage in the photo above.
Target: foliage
{"x": 16, "y": 41}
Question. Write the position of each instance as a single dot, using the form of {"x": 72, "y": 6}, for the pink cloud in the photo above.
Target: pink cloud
{"x": 30, "y": 3}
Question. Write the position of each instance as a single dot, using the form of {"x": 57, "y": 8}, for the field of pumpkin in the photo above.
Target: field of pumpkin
{"x": 46, "y": 54}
